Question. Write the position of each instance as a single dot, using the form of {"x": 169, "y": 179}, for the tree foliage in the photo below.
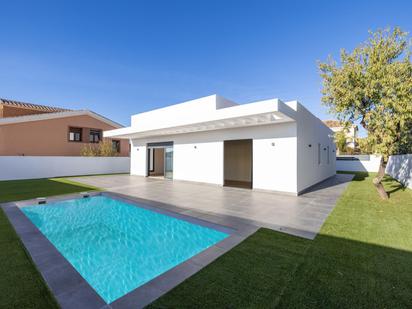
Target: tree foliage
{"x": 340, "y": 140}
{"x": 364, "y": 145}
{"x": 102, "y": 149}
{"x": 372, "y": 85}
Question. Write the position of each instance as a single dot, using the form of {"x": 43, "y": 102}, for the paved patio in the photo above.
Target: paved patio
{"x": 298, "y": 215}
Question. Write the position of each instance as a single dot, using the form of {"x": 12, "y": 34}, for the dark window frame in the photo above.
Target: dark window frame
{"x": 95, "y": 132}
{"x": 79, "y": 131}
{"x": 118, "y": 147}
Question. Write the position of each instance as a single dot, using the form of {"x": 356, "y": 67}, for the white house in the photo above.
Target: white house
{"x": 265, "y": 145}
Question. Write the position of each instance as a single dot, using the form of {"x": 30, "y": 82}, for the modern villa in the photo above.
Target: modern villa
{"x": 266, "y": 145}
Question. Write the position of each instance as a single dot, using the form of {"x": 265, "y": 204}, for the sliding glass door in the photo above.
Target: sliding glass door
{"x": 169, "y": 162}
{"x": 160, "y": 159}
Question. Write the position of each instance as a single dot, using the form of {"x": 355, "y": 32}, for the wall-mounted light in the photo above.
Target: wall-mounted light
{"x": 195, "y": 147}
{"x": 273, "y": 144}
{"x": 310, "y": 145}
{"x": 324, "y": 149}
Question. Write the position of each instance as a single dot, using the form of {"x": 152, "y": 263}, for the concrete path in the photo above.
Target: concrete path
{"x": 302, "y": 216}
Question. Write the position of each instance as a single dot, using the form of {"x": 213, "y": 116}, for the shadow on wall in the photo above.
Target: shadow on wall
{"x": 358, "y": 163}
{"x": 400, "y": 168}
{"x": 355, "y": 166}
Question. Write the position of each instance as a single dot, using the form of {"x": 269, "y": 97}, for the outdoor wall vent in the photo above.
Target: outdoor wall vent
{"x": 41, "y": 200}
{"x": 310, "y": 145}
{"x": 85, "y": 194}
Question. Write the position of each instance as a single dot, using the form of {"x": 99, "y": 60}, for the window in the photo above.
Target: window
{"x": 116, "y": 145}
{"x": 75, "y": 134}
{"x": 95, "y": 136}
{"x": 319, "y": 153}
{"x": 328, "y": 155}
{"x": 151, "y": 159}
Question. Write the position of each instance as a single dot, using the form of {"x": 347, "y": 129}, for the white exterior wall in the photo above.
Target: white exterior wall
{"x": 202, "y": 164}
{"x": 400, "y": 168}
{"x": 138, "y": 158}
{"x": 30, "y": 167}
{"x": 312, "y": 131}
{"x": 274, "y": 167}
{"x": 360, "y": 165}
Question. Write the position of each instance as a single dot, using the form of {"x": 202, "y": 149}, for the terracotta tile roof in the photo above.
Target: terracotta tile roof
{"x": 43, "y": 108}
{"x": 56, "y": 115}
{"x": 333, "y": 123}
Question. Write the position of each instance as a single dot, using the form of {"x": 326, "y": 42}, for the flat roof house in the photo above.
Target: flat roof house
{"x": 38, "y": 130}
{"x": 266, "y": 145}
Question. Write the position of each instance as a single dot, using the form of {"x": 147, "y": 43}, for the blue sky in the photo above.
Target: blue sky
{"x": 122, "y": 57}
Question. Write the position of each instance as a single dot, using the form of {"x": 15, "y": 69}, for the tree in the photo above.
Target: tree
{"x": 340, "y": 140}
{"x": 373, "y": 86}
{"x": 102, "y": 149}
{"x": 364, "y": 145}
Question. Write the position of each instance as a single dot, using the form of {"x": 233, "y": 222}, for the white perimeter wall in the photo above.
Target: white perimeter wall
{"x": 199, "y": 156}
{"x": 360, "y": 165}
{"x": 312, "y": 131}
{"x": 28, "y": 167}
{"x": 400, "y": 168}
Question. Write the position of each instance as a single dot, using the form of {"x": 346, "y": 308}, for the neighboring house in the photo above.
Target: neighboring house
{"x": 351, "y": 131}
{"x": 37, "y": 130}
{"x": 267, "y": 145}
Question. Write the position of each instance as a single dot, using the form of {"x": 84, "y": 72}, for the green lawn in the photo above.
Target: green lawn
{"x": 361, "y": 258}
{"x": 21, "y": 285}
{"x": 15, "y": 190}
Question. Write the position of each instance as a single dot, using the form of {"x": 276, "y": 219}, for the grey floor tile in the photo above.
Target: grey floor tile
{"x": 234, "y": 207}
{"x": 63, "y": 279}
{"x": 138, "y": 298}
{"x": 81, "y": 297}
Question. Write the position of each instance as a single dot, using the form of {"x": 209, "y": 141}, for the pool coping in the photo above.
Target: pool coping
{"x": 71, "y": 290}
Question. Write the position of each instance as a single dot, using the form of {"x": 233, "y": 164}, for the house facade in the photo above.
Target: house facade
{"x": 266, "y": 145}
{"x": 37, "y": 130}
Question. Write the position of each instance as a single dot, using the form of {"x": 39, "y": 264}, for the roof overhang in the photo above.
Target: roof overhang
{"x": 273, "y": 117}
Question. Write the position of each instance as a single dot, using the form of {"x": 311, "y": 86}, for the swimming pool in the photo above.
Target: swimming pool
{"x": 117, "y": 246}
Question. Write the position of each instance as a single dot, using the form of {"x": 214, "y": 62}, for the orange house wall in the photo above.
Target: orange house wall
{"x": 50, "y": 137}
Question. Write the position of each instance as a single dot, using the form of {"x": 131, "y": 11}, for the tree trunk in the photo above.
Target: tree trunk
{"x": 377, "y": 181}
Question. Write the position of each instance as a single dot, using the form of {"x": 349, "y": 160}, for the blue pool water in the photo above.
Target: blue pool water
{"x": 117, "y": 246}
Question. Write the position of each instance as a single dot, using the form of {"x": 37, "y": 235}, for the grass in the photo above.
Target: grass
{"x": 20, "y": 283}
{"x": 15, "y": 190}
{"x": 361, "y": 258}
